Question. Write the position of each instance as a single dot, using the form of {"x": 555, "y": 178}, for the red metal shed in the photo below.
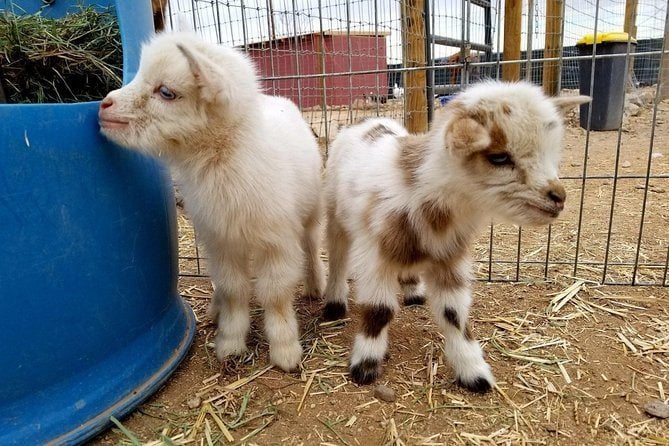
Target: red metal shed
{"x": 318, "y": 53}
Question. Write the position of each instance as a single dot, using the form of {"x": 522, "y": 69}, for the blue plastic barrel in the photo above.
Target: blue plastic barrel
{"x": 91, "y": 323}
{"x": 443, "y": 100}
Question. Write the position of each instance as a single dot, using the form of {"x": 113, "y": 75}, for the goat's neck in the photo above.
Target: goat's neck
{"x": 437, "y": 183}
{"x": 212, "y": 148}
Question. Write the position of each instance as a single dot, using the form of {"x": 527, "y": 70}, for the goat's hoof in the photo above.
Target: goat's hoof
{"x": 414, "y": 300}
{"x": 286, "y": 357}
{"x": 366, "y": 371}
{"x": 477, "y": 385}
{"x": 312, "y": 295}
{"x": 229, "y": 347}
{"x": 334, "y": 311}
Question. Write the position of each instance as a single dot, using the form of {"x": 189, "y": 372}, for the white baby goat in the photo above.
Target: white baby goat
{"x": 249, "y": 170}
{"x": 408, "y": 207}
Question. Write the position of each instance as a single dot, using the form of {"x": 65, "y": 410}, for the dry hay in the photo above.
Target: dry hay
{"x": 574, "y": 365}
{"x": 73, "y": 59}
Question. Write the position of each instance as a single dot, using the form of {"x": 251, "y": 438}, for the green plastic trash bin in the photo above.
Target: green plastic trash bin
{"x": 609, "y": 82}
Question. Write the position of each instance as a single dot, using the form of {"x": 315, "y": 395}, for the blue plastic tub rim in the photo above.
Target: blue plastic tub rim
{"x": 135, "y": 23}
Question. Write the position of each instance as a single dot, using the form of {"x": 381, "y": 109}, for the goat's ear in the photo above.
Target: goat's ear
{"x": 566, "y": 103}
{"x": 207, "y": 75}
{"x": 466, "y": 132}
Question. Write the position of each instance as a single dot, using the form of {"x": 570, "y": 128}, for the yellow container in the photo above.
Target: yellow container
{"x": 609, "y": 37}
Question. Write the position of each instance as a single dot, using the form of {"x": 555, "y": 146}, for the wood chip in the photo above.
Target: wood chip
{"x": 657, "y": 409}
{"x": 384, "y": 393}
{"x": 550, "y": 428}
{"x": 194, "y": 403}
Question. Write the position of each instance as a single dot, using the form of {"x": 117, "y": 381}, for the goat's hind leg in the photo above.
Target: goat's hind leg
{"x": 314, "y": 276}
{"x": 377, "y": 290}
{"x": 413, "y": 290}
{"x": 449, "y": 295}
{"x": 336, "y": 292}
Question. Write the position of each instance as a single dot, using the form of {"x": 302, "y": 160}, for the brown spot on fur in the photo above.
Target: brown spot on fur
{"x": 412, "y": 154}
{"x": 447, "y": 273}
{"x": 377, "y": 132}
{"x": 465, "y": 134}
{"x": 436, "y": 216}
{"x": 399, "y": 241}
{"x": 498, "y": 140}
{"x": 506, "y": 109}
{"x": 408, "y": 280}
{"x": 375, "y": 318}
{"x": 479, "y": 116}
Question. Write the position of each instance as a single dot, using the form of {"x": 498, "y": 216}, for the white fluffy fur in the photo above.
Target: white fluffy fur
{"x": 371, "y": 181}
{"x": 249, "y": 170}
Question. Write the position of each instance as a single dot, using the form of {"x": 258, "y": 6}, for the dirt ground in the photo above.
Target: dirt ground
{"x": 575, "y": 361}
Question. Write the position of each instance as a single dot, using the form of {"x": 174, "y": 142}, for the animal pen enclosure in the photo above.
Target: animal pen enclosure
{"x": 341, "y": 61}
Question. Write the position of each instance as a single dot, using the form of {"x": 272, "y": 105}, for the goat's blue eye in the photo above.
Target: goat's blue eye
{"x": 500, "y": 159}
{"x": 166, "y": 93}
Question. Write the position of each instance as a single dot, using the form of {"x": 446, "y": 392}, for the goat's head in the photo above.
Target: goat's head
{"x": 505, "y": 141}
{"x": 183, "y": 90}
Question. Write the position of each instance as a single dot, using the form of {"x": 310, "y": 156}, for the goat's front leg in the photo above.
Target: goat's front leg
{"x": 377, "y": 289}
{"x": 230, "y": 303}
{"x": 449, "y": 295}
{"x": 278, "y": 269}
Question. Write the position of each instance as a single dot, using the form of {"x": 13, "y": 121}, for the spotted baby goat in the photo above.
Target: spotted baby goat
{"x": 408, "y": 207}
{"x": 249, "y": 170}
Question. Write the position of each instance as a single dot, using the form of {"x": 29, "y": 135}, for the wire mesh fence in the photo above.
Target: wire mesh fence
{"x": 342, "y": 61}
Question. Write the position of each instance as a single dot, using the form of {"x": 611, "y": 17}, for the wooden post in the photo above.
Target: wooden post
{"x": 553, "y": 45}
{"x": 513, "y": 15}
{"x": 630, "y": 17}
{"x": 664, "y": 87}
{"x": 630, "y": 28}
{"x": 413, "y": 37}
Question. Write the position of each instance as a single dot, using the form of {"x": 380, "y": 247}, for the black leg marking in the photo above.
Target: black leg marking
{"x": 451, "y": 317}
{"x": 374, "y": 319}
{"x": 365, "y": 372}
{"x": 334, "y": 311}
{"x": 414, "y": 300}
{"x": 479, "y": 385}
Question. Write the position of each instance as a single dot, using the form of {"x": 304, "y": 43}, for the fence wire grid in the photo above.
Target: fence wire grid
{"x": 341, "y": 61}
